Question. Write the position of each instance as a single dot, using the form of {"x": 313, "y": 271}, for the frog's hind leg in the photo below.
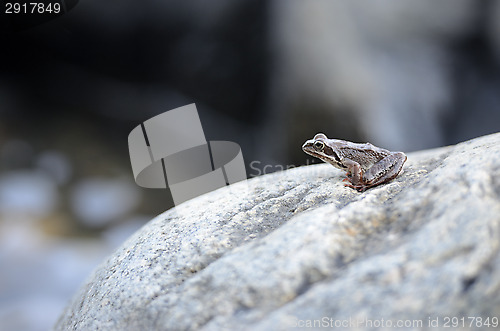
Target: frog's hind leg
{"x": 384, "y": 170}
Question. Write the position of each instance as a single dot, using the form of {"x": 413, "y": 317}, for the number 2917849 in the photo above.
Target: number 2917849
{"x": 32, "y": 8}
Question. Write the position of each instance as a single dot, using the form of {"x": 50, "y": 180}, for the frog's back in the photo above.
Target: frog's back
{"x": 365, "y": 154}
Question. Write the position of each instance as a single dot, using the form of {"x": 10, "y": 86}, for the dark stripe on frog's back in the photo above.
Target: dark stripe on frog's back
{"x": 367, "y": 150}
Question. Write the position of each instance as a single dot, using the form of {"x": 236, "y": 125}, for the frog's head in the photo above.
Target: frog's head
{"x": 324, "y": 149}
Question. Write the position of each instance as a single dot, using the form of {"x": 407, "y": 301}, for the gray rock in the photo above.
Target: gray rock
{"x": 297, "y": 248}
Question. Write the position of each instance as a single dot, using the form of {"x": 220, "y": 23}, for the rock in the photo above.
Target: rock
{"x": 300, "y": 249}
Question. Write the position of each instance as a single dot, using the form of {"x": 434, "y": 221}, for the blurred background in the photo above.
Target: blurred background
{"x": 268, "y": 75}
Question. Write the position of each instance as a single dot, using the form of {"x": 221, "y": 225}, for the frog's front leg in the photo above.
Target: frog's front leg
{"x": 354, "y": 173}
{"x": 382, "y": 171}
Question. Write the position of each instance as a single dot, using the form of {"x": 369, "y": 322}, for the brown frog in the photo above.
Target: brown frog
{"x": 366, "y": 164}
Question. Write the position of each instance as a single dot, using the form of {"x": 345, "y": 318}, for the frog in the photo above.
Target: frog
{"x": 366, "y": 165}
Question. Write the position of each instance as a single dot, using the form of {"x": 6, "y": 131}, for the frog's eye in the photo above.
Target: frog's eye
{"x": 319, "y": 145}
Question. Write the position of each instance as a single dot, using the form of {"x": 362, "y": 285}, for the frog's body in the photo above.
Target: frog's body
{"x": 366, "y": 164}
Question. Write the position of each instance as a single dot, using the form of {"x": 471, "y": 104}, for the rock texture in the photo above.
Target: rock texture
{"x": 297, "y": 248}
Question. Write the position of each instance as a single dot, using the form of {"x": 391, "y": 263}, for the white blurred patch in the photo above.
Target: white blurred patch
{"x": 27, "y": 193}
{"x": 98, "y": 201}
{"x": 43, "y": 313}
{"x": 40, "y": 274}
{"x": 56, "y": 165}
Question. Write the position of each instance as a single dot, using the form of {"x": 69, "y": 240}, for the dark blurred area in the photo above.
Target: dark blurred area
{"x": 268, "y": 75}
